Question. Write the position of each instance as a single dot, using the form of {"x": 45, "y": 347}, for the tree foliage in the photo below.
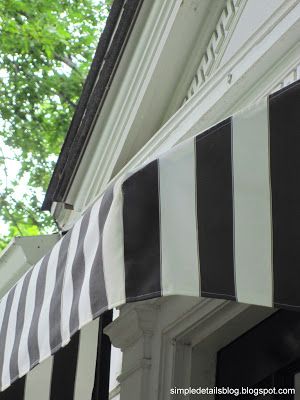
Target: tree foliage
{"x": 46, "y": 50}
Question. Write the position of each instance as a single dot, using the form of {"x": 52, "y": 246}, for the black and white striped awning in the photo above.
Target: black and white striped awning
{"x": 73, "y": 373}
{"x": 216, "y": 216}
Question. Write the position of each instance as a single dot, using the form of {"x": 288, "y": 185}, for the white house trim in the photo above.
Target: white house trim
{"x": 120, "y": 124}
{"x": 217, "y": 44}
{"x": 21, "y": 254}
{"x": 157, "y": 341}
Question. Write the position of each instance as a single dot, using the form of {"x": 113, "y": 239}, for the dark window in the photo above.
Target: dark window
{"x": 266, "y": 356}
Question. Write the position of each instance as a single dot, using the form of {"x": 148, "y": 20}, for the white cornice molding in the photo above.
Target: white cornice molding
{"x": 253, "y": 60}
{"x": 219, "y": 95}
{"x": 221, "y": 37}
{"x": 280, "y": 74}
{"x": 217, "y": 44}
{"x": 292, "y": 75}
{"x": 130, "y": 94}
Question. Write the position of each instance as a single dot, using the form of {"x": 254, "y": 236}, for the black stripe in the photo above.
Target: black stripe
{"x": 33, "y": 343}
{"x": 78, "y": 271}
{"x": 64, "y": 371}
{"x": 101, "y": 382}
{"x": 141, "y": 233}
{"x": 14, "y": 364}
{"x": 97, "y": 284}
{"x": 55, "y": 304}
{"x": 285, "y": 182}
{"x": 4, "y": 326}
{"x": 15, "y": 392}
{"x": 215, "y": 211}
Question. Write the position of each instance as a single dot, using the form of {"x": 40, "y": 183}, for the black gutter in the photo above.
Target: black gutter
{"x": 109, "y": 51}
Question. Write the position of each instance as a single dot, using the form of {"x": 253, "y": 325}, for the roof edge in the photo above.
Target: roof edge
{"x": 112, "y": 42}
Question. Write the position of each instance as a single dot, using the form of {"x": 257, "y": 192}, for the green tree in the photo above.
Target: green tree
{"x": 46, "y": 47}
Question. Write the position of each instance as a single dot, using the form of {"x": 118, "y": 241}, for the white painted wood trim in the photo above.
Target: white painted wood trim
{"x": 157, "y": 28}
{"x": 217, "y": 44}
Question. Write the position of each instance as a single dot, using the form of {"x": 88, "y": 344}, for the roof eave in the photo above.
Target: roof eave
{"x": 109, "y": 51}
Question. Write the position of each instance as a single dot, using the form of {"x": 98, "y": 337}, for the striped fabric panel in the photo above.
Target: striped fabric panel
{"x": 97, "y": 288}
{"x": 215, "y": 211}
{"x": 67, "y": 292}
{"x": 43, "y": 323}
{"x": 22, "y": 357}
{"x": 8, "y": 343}
{"x": 78, "y": 273}
{"x": 4, "y": 334}
{"x": 141, "y": 226}
{"x": 113, "y": 250}
{"x": 216, "y": 216}
{"x": 14, "y": 365}
{"x": 178, "y": 221}
{"x": 40, "y": 292}
{"x": 102, "y": 367}
{"x": 285, "y": 167}
{"x": 37, "y": 384}
{"x": 64, "y": 371}
{"x": 252, "y": 206}
{"x": 44, "y": 313}
{"x": 86, "y": 362}
{"x": 55, "y": 303}
{"x": 68, "y": 375}
{"x": 16, "y": 391}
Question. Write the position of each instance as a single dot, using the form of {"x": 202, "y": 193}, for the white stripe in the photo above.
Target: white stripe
{"x": 252, "y": 205}
{"x": 90, "y": 246}
{"x": 38, "y": 381}
{"x": 67, "y": 292}
{"x": 3, "y": 307}
{"x": 43, "y": 326}
{"x": 113, "y": 250}
{"x": 86, "y": 364}
{"x": 11, "y": 334}
{"x": 178, "y": 221}
{"x": 23, "y": 356}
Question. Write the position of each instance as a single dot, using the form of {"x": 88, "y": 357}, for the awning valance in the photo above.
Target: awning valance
{"x": 216, "y": 216}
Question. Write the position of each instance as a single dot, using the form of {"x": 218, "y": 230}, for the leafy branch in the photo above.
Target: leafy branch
{"x": 46, "y": 50}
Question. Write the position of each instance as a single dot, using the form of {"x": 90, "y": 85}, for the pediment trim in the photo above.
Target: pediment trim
{"x": 217, "y": 44}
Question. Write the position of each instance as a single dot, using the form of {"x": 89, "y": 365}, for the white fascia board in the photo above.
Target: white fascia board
{"x": 20, "y": 254}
